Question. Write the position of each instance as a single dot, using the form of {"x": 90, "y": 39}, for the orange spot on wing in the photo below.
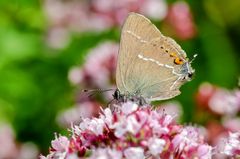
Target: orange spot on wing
{"x": 178, "y": 61}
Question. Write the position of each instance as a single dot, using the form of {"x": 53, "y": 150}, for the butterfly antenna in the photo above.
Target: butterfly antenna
{"x": 194, "y": 57}
{"x": 94, "y": 91}
{"x": 97, "y": 90}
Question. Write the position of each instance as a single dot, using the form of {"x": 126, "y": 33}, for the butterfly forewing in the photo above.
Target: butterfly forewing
{"x": 137, "y": 30}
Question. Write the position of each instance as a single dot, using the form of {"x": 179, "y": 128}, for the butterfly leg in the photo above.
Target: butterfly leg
{"x": 175, "y": 82}
{"x": 142, "y": 101}
{"x": 173, "y": 71}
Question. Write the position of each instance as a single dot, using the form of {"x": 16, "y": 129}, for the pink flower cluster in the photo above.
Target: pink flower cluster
{"x": 133, "y": 133}
{"x": 230, "y": 146}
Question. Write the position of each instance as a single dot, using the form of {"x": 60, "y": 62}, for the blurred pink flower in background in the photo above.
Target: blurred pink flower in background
{"x": 99, "y": 14}
{"x": 7, "y": 142}
{"x": 65, "y": 17}
{"x": 10, "y": 149}
{"x": 58, "y": 37}
{"x": 231, "y": 124}
{"x": 99, "y": 69}
{"x": 205, "y": 92}
{"x": 214, "y": 131}
{"x": 134, "y": 132}
{"x": 98, "y": 72}
{"x": 118, "y": 10}
{"x": 75, "y": 114}
{"x": 219, "y": 100}
{"x": 172, "y": 108}
{"x": 224, "y": 102}
{"x": 181, "y": 20}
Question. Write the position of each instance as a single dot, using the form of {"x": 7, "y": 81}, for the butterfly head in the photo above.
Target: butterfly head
{"x": 190, "y": 72}
{"x": 187, "y": 69}
{"x": 136, "y": 98}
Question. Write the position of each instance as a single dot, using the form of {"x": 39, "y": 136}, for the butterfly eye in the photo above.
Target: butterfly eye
{"x": 178, "y": 61}
{"x": 190, "y": 75}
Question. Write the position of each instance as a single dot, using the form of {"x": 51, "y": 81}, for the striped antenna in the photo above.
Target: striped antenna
{"x": 94, "y": 91}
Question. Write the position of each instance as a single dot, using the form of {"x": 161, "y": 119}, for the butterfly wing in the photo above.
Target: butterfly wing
{"x": 153, "y": 71}
{"x": 149, "y": 64}
{"x": 137, "y": 30}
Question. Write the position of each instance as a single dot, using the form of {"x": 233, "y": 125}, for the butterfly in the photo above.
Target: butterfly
{"x": 150, "y": 66}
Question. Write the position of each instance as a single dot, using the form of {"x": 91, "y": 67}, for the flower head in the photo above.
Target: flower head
{"x": 133, "y": 133}
{"x": 230, "y": 146}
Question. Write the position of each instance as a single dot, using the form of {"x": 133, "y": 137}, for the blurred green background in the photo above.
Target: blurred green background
{"x": 34, "y": 83}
